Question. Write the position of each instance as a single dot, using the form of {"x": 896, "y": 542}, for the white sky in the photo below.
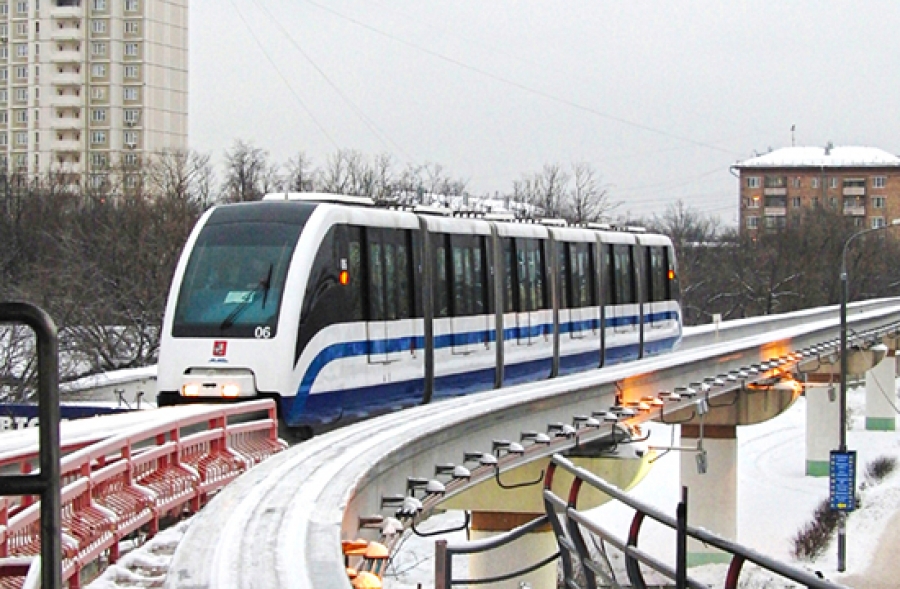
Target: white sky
{"x": 660, "y": 97}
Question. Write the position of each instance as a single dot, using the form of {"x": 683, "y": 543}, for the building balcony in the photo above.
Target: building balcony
{"x": 68, "y": 79}
{"x": 775, "y": 211}
{"x": 779, "y": 191}
{"x": 67, "y": 56}
{"x": 65, "y": 100}
{"x": 854, "y": 190}
{"x": 66, "y": 34}
{"x": 66, "y": 124}
{"x": 855, "y": 210}
{"x": 68, "y": 145}
{"x": 66, "y": 11}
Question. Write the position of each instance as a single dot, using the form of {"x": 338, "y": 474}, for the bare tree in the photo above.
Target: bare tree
{"x": 248, "y": 173}
{"x": 183, "y": 176}
{"x": 587, "y": 201}
{"x": 301, "y": 175}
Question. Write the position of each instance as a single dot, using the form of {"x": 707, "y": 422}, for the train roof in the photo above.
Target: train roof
{"x": 500, "y": 218}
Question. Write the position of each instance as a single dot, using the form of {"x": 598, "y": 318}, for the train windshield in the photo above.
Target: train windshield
{"x": 234, "y": 280}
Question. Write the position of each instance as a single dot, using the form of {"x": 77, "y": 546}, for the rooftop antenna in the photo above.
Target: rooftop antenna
{"x": 793, "y": 128}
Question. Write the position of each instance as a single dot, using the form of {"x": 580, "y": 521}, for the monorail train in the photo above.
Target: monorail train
{"x": 339, "y": 310}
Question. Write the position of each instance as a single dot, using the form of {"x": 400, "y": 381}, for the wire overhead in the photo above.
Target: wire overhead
{"x": 379, "y": 133}
{"x": 519, "y": 85}
{"x": 283, "y": 78}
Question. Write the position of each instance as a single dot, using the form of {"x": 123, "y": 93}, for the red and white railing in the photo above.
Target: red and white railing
{"x": 113, "y": 487}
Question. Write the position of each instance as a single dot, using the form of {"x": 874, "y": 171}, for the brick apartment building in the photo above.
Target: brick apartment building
{"x": 862, "y": 182}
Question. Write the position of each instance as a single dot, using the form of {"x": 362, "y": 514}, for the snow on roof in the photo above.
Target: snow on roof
{"x": 839, "y": 156}
{"x": 110, "y": 378}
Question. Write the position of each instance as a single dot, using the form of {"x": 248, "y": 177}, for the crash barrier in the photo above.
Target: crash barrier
{"x": 126, "y": 486}
{"x": 582, "y": 570}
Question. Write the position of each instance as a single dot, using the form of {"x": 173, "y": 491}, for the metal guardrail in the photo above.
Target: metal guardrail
{"x": 444, "y": 553}
{"x": 113, "y": 487}
{"x": 569, "y": 525}
{"x": 45, "y": 482}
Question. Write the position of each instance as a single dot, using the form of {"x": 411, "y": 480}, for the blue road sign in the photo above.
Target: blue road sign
{"x": 842, "y": 481}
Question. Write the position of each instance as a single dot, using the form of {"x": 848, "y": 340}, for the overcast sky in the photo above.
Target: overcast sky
{"x": 660, "y": 97}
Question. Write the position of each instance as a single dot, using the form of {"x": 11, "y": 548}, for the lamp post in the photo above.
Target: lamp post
{"x": 842, "y": 532}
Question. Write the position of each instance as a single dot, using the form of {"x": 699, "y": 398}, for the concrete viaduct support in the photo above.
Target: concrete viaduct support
{"x": 881, "y": 397}
{"x": 823, "y": 408}
{"x": 712, "y": 494}
{"x": 822, "y": 422}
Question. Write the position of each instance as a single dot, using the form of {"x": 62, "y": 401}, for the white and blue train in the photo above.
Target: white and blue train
{"x": 340, "y": 310}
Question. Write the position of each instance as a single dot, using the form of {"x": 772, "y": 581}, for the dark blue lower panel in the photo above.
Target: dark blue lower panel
{"x": 579, "y": 362}
{"x": 318, "y": 410}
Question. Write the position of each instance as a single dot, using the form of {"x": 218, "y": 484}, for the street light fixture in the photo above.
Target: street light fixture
{"x": 842, "y": 532}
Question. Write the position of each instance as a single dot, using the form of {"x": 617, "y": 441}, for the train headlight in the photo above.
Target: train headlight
{"x": 231, "y": 390}
{"x": 191, "y": 390}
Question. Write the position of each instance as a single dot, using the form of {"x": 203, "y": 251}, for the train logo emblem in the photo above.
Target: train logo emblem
{"x": 219, "y": 348}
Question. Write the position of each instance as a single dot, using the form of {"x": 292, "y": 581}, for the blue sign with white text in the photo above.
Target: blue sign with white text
{"x": 842, "y": 481}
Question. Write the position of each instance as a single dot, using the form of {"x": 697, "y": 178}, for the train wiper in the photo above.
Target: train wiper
{"x": 267, "y": 284}
{"x": 262, "y": 286}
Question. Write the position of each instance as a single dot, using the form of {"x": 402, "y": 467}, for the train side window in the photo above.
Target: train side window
{"x": 440, "y": 283}
{"x": 403, "y": 275}
{"x": 469, "y": 283}
{"x": 479, "y": 269}
{"x": 582, "y": 275}
{"x": 522, "y": 278}
{"x": 355, "y": 278}
{"x": 393, "y": 277}
{"x": 462, "y": 276}
{"x": 658, "y": 269}
{"x": 510, "y": 304}
{"x": 624, "y": 281}
{"x": 609, "y": 277}
{"x": 643, "y": 274}
{"x": 565, "y": 276}
{"x": 375, "y": 276}
{"x": 540, "y": 271}
{"x": 530, "y": 263}
{"x": 415, "y": 273}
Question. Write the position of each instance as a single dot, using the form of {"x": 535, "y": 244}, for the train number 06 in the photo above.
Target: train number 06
{"x": 263, "y": 332}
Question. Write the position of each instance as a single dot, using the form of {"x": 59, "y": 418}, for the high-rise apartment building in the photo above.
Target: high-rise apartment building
{"x": 862, "y": 183}
{"x": 86, "y": 85}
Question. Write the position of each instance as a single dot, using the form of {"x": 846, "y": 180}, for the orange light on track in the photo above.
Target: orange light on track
{"x": 344, "y": 278}
{"x": 671, "y": 274}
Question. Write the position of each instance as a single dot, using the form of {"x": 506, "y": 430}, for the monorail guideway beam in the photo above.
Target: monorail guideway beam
{"x": 342, "y": 478}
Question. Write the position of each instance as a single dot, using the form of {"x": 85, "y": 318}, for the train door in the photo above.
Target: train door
{"x": 567, "y": 316}
{"x": 581, "y": 291}
{"x": 531, "y": 287}
{"x": 388, "y": 270}
{"x": 622, "y": 341}
{"x": 656, "y": 270}
{"x": 624, "y": 321}
{"x": 470, "y": 322}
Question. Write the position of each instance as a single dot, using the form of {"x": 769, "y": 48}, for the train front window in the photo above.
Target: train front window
{"x": 234, "y": 280}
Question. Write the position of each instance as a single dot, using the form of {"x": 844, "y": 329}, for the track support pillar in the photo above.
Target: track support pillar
{"x": 712, "y": 494}
{"x": 881, "y": 395}
{"x": 822, "y": 423}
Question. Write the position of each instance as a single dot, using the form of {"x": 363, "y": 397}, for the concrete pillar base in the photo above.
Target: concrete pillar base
{"x": 881, "y": 424}
{"x": 823, "y": 422}
{"x": 525, "y": 551}
{"x": 881, "y": 396}
{"x": 712, "y": 497}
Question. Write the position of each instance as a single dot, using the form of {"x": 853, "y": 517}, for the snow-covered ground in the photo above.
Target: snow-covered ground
{"x": 775, "y": 500}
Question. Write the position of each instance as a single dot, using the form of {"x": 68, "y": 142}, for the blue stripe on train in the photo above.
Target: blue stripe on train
{"x": 306, "y": 409}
